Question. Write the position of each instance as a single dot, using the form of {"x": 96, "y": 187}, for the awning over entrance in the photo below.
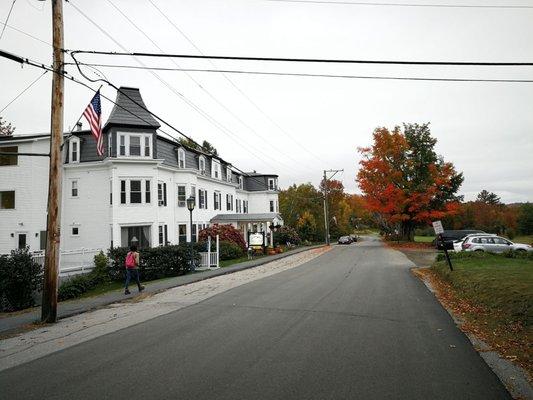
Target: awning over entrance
{"x": 275, "y": 218}
{"x": 248, "y": 223}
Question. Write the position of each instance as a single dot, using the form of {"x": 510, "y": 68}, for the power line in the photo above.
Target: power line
{"x": 209, "y": 118}
{"x": 23, "y": 91}
{"x": 366, "y": 3}
{"x": 7, "y": 18}
{"x": 306, "y": 60}
{"x": 253, "y": 103}
{"x": 213, "y": 97}
{"x": 25, "y": 33}
{"x": 296, "y": 74}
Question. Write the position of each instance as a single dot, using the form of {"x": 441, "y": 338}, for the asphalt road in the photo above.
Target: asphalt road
{"x": 351, "y": 324}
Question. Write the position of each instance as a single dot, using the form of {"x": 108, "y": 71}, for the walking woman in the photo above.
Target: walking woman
{"x": 132, "y": 268}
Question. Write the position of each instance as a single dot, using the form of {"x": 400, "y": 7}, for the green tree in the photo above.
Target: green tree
{"x": 209, "y": 148}
{"x": 525, "y": 219}
{"x": 488, "y": 197}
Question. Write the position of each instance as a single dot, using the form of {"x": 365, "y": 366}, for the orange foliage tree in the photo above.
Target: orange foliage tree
{"x": 405, "y": 183}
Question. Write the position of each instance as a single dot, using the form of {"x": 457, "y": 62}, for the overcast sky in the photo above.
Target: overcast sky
{"x": 298, "y": 126}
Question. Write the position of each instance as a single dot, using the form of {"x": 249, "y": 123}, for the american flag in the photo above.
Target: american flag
{"x": 93, "y": 113}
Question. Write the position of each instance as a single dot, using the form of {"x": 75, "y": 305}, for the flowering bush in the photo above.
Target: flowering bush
{"x": 227, "y": 233}
{"x": 286, "y": 234}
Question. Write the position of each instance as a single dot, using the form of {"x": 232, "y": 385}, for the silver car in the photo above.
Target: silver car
{"x": 458, "y": 244}
{"x": 493, "y": 244}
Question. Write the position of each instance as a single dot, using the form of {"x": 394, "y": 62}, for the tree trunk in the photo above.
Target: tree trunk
{"x": 407, "y": 231}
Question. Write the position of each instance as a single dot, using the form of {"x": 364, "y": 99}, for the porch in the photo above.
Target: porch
{"x": 251, "y": 223}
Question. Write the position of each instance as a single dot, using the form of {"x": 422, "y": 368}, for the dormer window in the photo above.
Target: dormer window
{"x": 216, "y": 171}
{"x": 241, "y": 185}
{"x": 74, "y": 150}
{"x": 181, "y": 158}
{"x": 135, "y": 145}
{"x": 228, "y": 174}
{"x": 272, "y": 184}
{"x": 201, "y": 165}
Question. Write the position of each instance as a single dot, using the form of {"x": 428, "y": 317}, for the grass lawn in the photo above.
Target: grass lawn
{"x": 494, "y": 294}
{"x": 424, "y": 239}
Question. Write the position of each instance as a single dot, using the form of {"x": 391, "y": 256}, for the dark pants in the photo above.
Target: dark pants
{"x": 132, "y": 273}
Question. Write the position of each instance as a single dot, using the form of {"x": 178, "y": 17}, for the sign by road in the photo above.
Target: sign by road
{"x": 437, "y": 227}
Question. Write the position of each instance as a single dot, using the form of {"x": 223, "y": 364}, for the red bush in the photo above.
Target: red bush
{"x": 226, "y": 233}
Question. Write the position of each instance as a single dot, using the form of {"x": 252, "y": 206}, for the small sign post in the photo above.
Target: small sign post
{"x": 437, "y": 227}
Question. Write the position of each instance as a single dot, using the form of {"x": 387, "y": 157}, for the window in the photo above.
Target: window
{"x": 181, "y": 158}
{"x": 241, "y": 183}
{"x": 216, "y": 200}
{"x": 122, "y": 147}
{"x": 147, "y": 146}
{"x": 215, "y": 169}
{"x": 245, "y": 206}
{"x": 202, "y": 198}
{"x": 7, "y": 200}
{"x": 182, "y": 233}
{"x": 182, "y": 196}
{"x": 109, "y": 144}
{"x": 8, "y": 160}
{"x": 135, "y": 192}
{"x": 163, "y": 235}
{"x": 74, "y": 188}
{"x": 75, "y": 231}
{"x": 148, "y": 192}
{"x": 229, "y": 202}
{"x": 201, "y": 165}
{"x": 162, "y": 194}
{"x": 238, "y": 206}
{"x": 194, "y": 236}
{"x": 74, "y": 150}
{"x": 272, "y": 184}
{"x": 228, "y": 174}
{"x": 42, "y": 240}
{"x": 122, "y": 192}
{"x": 271, "y": 205}
{"x": 139, "y": 233}
{"x": 135, "y": 145}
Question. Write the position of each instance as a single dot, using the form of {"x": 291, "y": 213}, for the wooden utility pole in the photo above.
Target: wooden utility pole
{"x": 51, "y": 263}
{"x": 326, "y": 208}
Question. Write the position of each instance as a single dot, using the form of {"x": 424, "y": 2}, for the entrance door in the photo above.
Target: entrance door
{"x": 22, "y": 240}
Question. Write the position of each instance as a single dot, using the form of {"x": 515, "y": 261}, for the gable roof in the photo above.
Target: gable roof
{"x": 127, "y": 113}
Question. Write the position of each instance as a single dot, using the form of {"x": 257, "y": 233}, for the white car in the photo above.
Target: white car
{"x": 458, "y": 244}
{"x": 493, "y": 244}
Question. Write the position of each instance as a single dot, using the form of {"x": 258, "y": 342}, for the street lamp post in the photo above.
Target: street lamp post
{"x": 190, "y": 205}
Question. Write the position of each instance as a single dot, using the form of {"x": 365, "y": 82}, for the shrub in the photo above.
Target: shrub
{"x": 100, "y": 272}
{"x": 20, "y": 278}
{"x": 227, "y": 233}
{"x": 76, "y": 286}
{"x": 230, "y": 251}
{"x": 286, "y": 234}
{"x": 155, "y": 262}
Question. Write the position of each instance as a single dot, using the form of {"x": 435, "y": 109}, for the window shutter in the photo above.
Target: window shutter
{"x": 166, "y": 234}
{"x": 205, "y": 191}
{"x": 165, "y": 197}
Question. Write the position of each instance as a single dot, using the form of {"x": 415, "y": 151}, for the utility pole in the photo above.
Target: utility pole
{"x": 326, "y": 210}
{"x": 51, "y": 263}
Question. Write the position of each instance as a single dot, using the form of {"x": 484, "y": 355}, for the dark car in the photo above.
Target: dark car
{"x": 450, "y": 236}
{"x": 344, "y": 240}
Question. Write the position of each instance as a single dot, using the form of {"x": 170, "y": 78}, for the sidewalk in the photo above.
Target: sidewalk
{"x": 13, "y": 324}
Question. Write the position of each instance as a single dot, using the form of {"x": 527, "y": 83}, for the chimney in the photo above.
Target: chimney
{"x": 78, "y": 126}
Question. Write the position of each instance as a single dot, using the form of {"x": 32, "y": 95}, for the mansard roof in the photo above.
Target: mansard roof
{"x": 130, "y": 110}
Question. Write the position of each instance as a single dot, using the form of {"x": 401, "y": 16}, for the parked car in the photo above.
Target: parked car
{"x": 353, "y": 236}
{"x": 449, "y": 236}
{"x": 494, "y": 244}
{"x": 344, "y": 240}
{"x": 458, "y": 244}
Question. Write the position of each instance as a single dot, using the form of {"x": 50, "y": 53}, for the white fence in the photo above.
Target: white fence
{"x": 210, "y": 259}
{"x": 71, "y": 261}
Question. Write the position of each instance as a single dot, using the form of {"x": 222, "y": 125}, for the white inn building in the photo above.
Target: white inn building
{"x": 137, "y": 189}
